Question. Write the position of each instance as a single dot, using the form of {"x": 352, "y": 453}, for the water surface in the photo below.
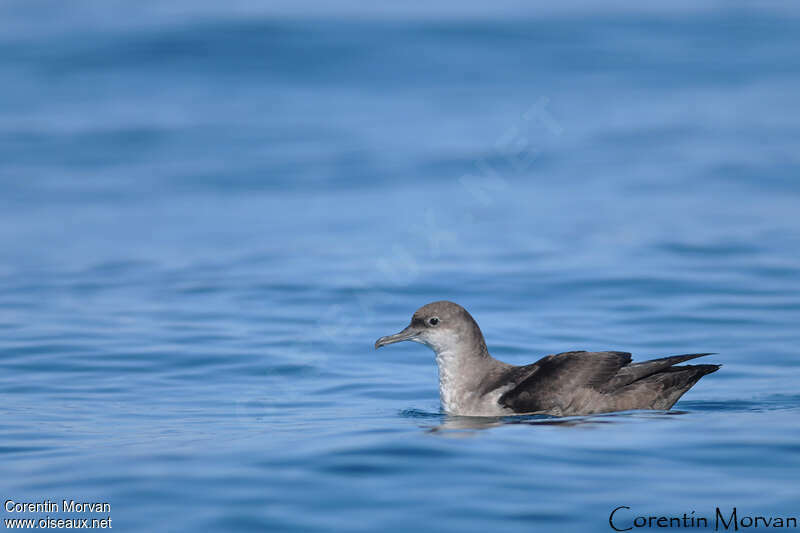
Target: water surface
{"x": 209, "y": 213}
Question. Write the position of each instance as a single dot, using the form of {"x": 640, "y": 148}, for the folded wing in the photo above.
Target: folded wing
{"x": 607, "y": 380}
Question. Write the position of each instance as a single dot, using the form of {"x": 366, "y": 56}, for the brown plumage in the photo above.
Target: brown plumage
{"x": 472, "y": 382}
{"x": 596, "y": 382}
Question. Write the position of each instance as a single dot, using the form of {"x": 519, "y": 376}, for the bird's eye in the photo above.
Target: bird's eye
{"x": 433, "y": 321}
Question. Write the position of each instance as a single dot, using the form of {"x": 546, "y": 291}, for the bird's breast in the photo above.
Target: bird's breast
{"x": 460, "y": 390}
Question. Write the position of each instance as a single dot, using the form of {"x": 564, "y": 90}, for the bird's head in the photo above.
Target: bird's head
{"x": 442, "y": 326}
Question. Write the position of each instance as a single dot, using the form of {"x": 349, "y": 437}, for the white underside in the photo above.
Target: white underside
{"x": 457, "y": 391}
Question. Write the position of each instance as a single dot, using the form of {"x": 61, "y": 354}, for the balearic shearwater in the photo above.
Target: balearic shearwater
{"x": 473, "y": 383}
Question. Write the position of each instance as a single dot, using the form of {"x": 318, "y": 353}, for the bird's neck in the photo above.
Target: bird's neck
{"x": 463, "y": 362}
{"x": 461, "y": 371}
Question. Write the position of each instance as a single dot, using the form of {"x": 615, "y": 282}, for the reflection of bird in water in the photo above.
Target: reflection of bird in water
{"x": 473, "y": 383}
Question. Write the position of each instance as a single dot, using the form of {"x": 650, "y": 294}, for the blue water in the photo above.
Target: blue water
{"x": 210, "y": 211}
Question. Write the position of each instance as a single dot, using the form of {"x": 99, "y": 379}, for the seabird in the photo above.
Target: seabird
{"x": 473, "y": 383}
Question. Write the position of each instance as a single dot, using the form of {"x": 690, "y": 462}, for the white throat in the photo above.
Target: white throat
{"x": 450, "y": 380}
{"x": 461, "y": 371}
